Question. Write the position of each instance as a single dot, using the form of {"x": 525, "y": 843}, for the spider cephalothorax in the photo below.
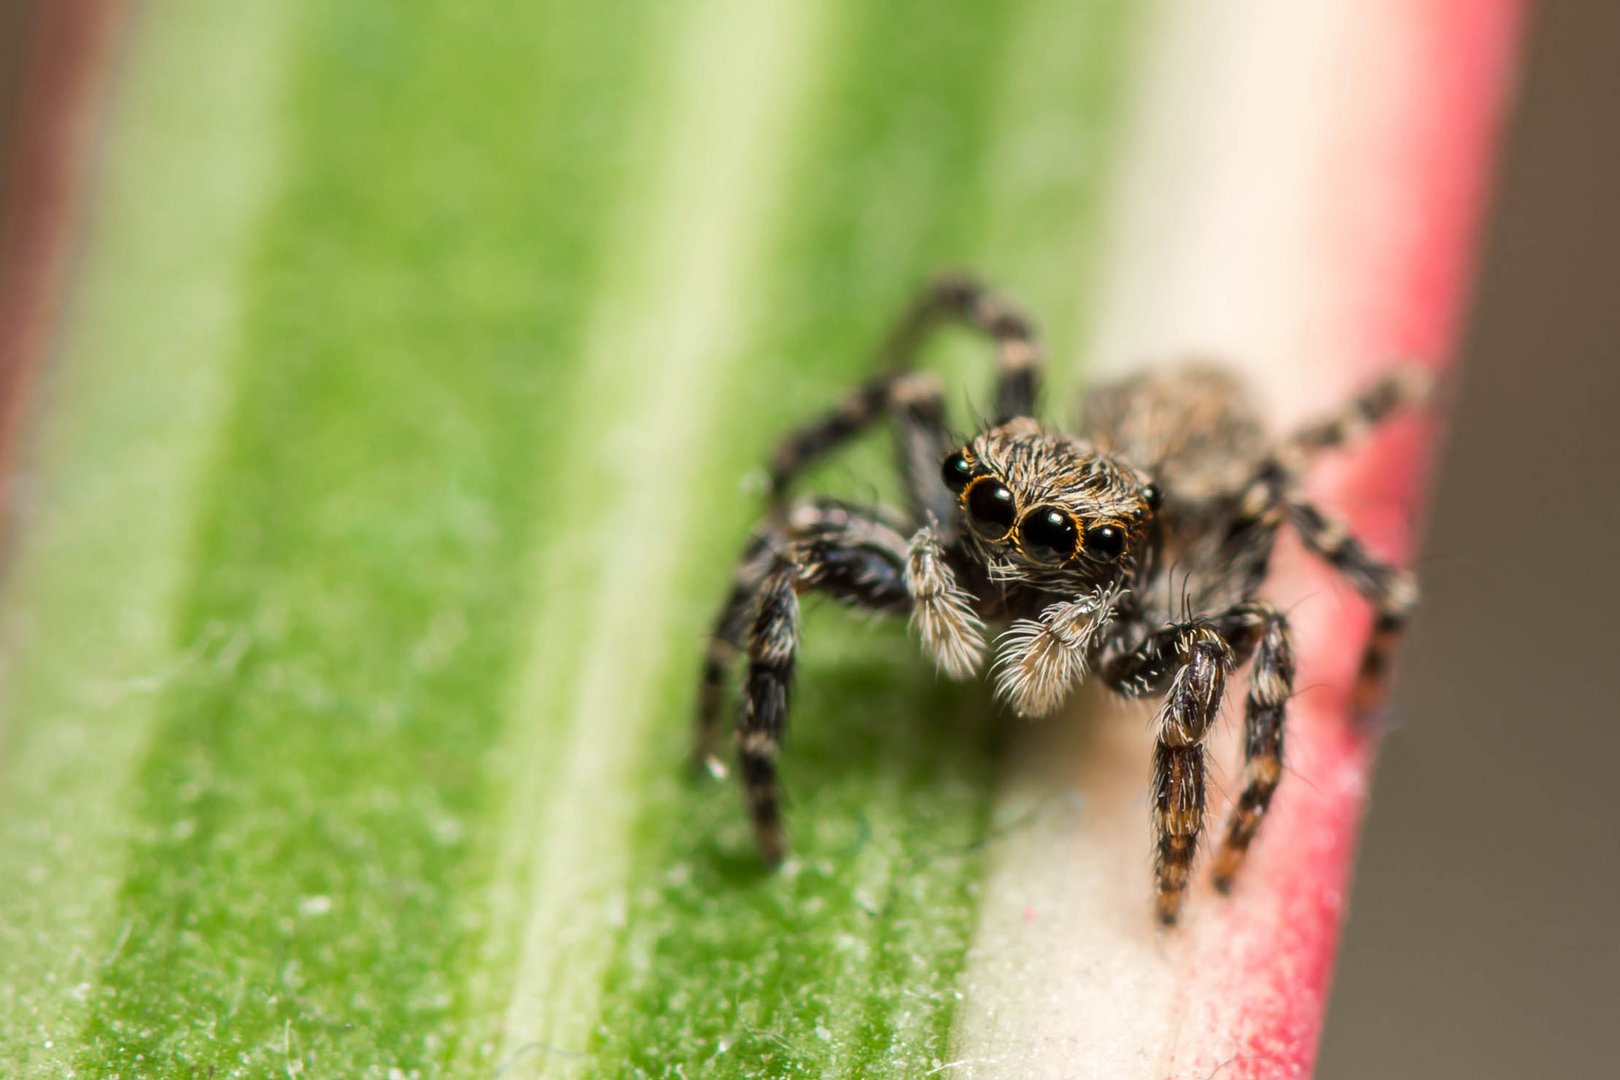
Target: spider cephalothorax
{"x": 1049, "y": 510}
{"x": 1066, "y": 541}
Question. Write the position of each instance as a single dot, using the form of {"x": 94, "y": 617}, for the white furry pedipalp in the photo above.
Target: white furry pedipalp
{"x": 942, "y": 613}
{"x": 1040, "y": 660}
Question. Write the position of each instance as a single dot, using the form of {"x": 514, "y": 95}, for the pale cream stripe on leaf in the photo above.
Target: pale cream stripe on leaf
{"x": 1211, "y": 253}
{"x": 669, "y": 323}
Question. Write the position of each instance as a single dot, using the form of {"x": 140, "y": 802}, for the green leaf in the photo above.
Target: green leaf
{"x": 394, "y": 456}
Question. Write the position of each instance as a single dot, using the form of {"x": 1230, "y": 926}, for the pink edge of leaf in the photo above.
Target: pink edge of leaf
{"x": 1259, "y": 978}
{"x": 61, "y": 92}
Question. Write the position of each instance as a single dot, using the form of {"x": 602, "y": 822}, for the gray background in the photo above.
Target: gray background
{"x": 1482, "y": 940}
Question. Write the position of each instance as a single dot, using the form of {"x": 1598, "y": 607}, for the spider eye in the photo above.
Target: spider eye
{"x": 1105, "y": 541}
{"x": 957, "y": 472}
{"x": 992, "y": 507}
{"x": 1049, "y": 534}
{"x": 1152, "y": 495}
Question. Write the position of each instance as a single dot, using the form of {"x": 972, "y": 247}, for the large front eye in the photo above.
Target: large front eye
{"x": 1106, "y": 541}
{"x": 957, "y": 472}
{"x": 1049, "y": 534}
{"x": 992, "y": 508}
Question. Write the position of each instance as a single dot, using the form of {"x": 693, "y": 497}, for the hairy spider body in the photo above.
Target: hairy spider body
{"x": 1137, "y": 551}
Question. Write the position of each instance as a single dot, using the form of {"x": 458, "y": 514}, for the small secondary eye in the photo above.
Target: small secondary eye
{"x": 957, "y": 472}
{"x": 992, "y": 508}
{"x": 1049, "y": 534}
{"x": 1105, "y": 541}
{"x": 1152, "y": 495}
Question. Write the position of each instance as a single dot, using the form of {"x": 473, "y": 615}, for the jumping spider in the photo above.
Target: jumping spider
{"x": 1137, "y": 552}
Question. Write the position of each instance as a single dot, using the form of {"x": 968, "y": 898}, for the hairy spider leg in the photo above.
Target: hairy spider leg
{"x": 773, "y": 642}
{"x": 807, "y": 523}
{"x": 803, "y": 447}
{"x": 961, "y": 298}
{"x": 1403, "y": 388}
{"x": 1253, "y": 628}
{"x": 841, "y": 552}
{"x": 916, "y": 401}
{"x": 1251, "y": 535}
{"x": 1391, "y": 590}
{"x": 1143, "y": 668}
{"x": 1267, "y": 501}
{"x": 1018, "y": 351}
{"x": 726, "y": 641}
{"x": 1189, "y": 707}
{"x": 1271, "y": 684}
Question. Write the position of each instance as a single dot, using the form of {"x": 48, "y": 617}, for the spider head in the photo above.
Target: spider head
{"x": 1048, "y": 509}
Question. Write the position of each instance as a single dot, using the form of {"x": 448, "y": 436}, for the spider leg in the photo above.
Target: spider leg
{"x": 1257, "y": 515}
{"x": 803, "y": 447}
{"x": 773, "y": 642}
{"x": 1262, "y": 507}
{"x": 1195, "y": 658}
{"x": 956, "y": 297}
{"x": 1391, "y": 590}
{"x": 830, "y": 548}
{"x": 921, "y": 443}
{"x": 1271, "y": 684}
{"x": 729, "y": 635}
{"x": 726, "y": 641}
{"x": 916, "y": 401}
{"x": 1403, "y": 388}
{"x": 1191, "y": 703}
{"x": 1018, "y": 353}
{"x": 1263, "y": 503}
{"x": 1145, "y": 668}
